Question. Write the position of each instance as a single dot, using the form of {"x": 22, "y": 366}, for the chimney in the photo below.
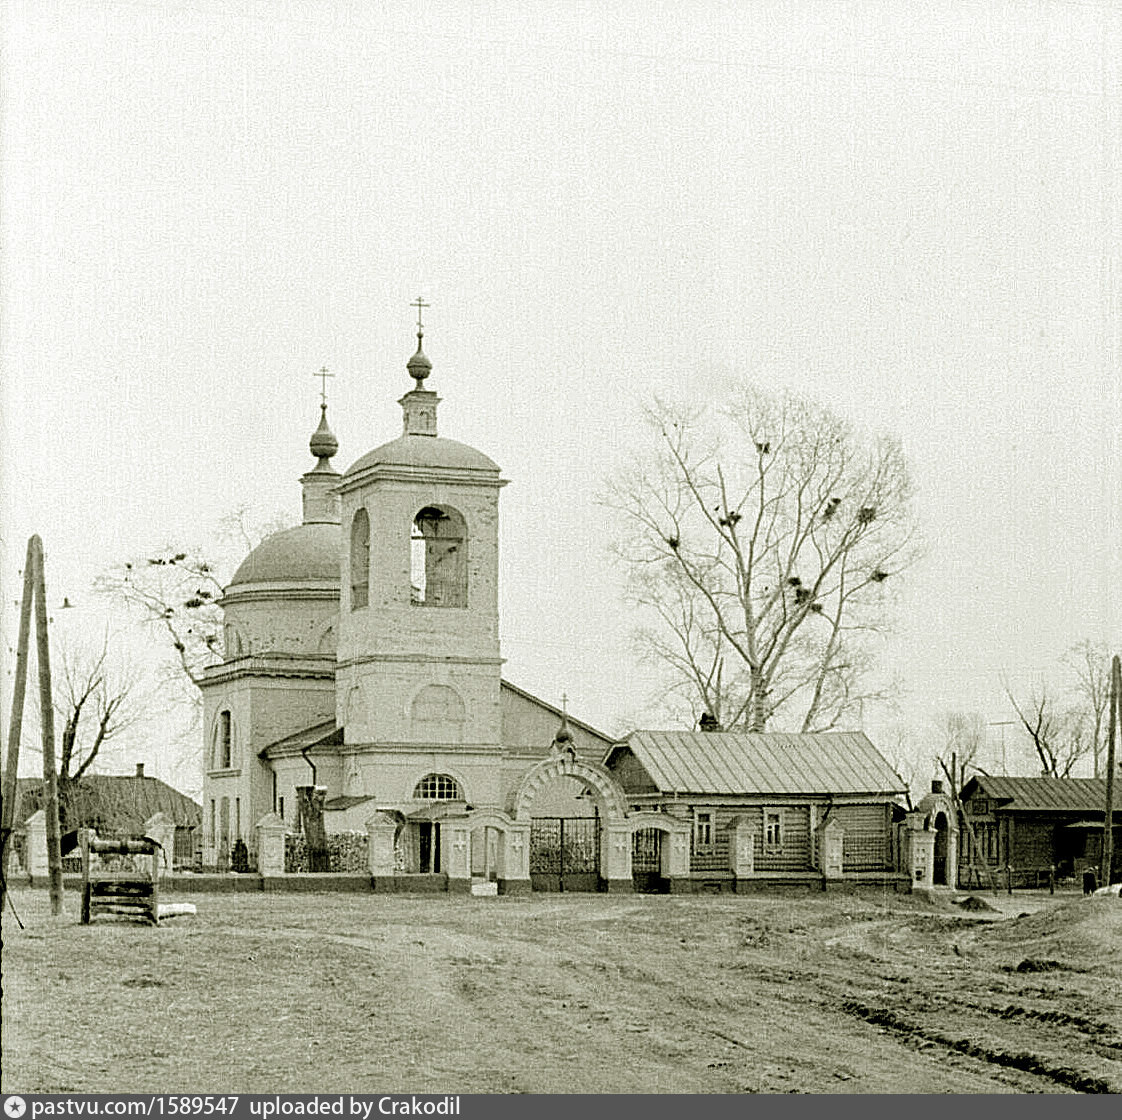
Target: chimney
{"x": 140, "y": 769}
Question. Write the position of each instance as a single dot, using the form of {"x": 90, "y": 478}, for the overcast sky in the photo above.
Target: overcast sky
{"x": 909, "y": 210}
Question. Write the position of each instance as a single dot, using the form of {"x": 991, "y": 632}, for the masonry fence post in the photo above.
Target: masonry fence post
{"x": 271, "y": 831}
{"x": 161, "y": 828}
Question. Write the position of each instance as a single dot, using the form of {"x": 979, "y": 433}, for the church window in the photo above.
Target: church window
{"x": 224, "y": 741}
{"x": 438, "y": 558}
{"x": 438, "y": 787}
{"x": 360, "y": 560}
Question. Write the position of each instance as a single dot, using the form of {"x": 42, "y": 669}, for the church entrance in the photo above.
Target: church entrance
{"x": 565, "y": 853}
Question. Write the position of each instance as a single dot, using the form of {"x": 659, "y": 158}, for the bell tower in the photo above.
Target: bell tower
{"x": 418, "y": 652}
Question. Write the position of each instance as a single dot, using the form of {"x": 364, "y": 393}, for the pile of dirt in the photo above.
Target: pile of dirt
{"x": 973, "y": 903}
{"x": 1079, "y": 933}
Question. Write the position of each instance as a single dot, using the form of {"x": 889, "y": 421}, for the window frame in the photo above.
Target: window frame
{"x": 776, "y": 844}
{"x": 704, "y": 821}
{"x": 447, "y": 788}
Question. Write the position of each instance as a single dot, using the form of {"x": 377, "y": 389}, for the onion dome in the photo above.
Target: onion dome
{"x": 323, "y": 444}
{"x": 419, "y": 366}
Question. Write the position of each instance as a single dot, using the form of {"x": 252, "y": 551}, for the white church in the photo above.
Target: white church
{"x": 362, "y": 679}
{"x": 362, "y": 657}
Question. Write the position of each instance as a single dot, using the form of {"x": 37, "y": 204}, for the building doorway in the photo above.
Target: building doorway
{"x": 646, "y": 862}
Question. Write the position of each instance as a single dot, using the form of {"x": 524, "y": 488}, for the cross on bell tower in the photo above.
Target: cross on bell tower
{"x": 419, "y": 404}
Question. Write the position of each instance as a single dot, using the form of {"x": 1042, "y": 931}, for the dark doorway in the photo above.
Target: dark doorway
{"x": 565, "y": 853}
{"x": 940, "y": 869}
{"x": 428, "y": 837}
{"x": 646, "y": 862}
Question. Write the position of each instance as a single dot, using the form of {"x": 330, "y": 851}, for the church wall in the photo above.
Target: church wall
{"x": 377, "y": 703}
{"x": 391, "y": 776}
{"x": 288, "y": 626}
{"x": 528, "y": 727}
{"x": 293, "y": 772}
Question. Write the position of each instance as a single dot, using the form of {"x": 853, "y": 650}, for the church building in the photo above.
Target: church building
{"x": 361, "y": 658}
{"x": 361, "y": 686}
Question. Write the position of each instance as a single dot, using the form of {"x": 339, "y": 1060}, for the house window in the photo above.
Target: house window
{"x": 980, "y": 807}
{"x": 360, "y": 560}
{"x": 703, "y": 831}
{"x": 237, "y": 817}
{"x": 224, "y": 741}
{"x": 438, "y": 558}
{"x": 437, "y": 787}
{"x": 773, "y": 828}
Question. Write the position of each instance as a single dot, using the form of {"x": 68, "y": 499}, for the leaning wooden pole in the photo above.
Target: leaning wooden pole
{"x": 1112, "y": 735}
{"x": 15, "y": 724}
{"x": 47, "y": 722}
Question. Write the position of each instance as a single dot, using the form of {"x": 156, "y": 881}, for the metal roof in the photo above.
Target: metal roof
{"x": 733, "y": 762}
{"x": 122, "y": 803}
{"x": 1078, "y": 794}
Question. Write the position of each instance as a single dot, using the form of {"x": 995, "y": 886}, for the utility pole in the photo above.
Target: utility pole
{"x": 1112, "y": 735}
{"x": 15, "y": 724}
{"x": 47, "y": 721}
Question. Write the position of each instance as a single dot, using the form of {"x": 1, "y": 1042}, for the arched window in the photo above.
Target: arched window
{"x": 360, "y": 560}
{"x": 224, "y": 741}
{"x": 438, "y": 787}
{"x": 235, "y": 647}
{"x": 438, "y": 558}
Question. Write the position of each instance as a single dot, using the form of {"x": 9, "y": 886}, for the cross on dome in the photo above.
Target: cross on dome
{"x": 419, "y": 366}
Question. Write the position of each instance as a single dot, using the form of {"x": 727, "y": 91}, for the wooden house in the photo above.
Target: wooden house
{"x": 770, "y": 807}
{"x": 116, "y": 807}
{"x": 1034, "y": 827}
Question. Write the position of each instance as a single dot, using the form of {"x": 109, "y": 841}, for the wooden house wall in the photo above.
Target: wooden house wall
{"x": 866, "y": 845}
{"x": 1034, "y": 843}
{"x": 795, "y": 853}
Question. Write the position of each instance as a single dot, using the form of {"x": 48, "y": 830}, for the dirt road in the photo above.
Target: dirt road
{"x": 362, "y": 993}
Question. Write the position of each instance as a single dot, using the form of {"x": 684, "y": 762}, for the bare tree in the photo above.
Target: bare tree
{"x": 963, "y": 737}
{"x": 176, "y": 592}
{"x": 1089, "y": 663}
{"x": 763, "y": 539}
{"x": 1060, "y": 736}
{"x": 97, "y": 698}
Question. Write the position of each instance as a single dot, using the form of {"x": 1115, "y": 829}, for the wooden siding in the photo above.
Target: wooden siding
{"x": 865, "y": 846}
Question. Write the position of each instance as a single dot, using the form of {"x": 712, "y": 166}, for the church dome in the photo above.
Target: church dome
{"x": 307, "y": 553}
{"x": 424, "y": 451}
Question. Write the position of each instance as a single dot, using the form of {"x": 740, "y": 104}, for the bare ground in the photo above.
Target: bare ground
{"x": 868, "y": 993}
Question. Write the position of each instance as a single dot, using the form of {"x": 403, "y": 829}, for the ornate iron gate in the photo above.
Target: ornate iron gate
{"x": 565, "y": 853}
{"x": 646, "y": 861}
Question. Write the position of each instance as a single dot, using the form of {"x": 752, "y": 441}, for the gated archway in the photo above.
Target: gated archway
{"x": 571, "y": 852}
{"x": 659, "y": 852}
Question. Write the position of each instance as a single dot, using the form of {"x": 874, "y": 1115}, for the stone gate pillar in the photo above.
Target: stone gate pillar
{"x": 271, "y": 831}
{"x": 615, "y": 857}
{"x": 381, "y": 830}
{"x": 37, "y": 847}
{"x": 831, "y": 844}
{"x": 742, "y": 850}
{"x": 456, "y": 852}
{"x": 161, "y": 828}
{"x": 515, "y": 871}
{"x": 676, "y": 860}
